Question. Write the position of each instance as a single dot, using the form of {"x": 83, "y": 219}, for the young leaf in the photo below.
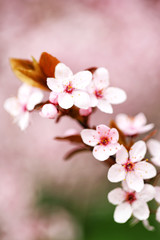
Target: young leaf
{"x": 48, "y": 63}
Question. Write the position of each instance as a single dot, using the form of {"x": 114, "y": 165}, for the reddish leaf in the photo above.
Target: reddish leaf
{"x": 48, "y": 63}
{"x": 72, "y": 138}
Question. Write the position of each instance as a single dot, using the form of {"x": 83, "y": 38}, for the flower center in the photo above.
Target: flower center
{"x": 24, "y": 108}
{"x": 130, "y": 197}
{"x": 69, "y": 88}
{"x": 129, "y": 166}
{"x": 99, "y": 93}
{"x": 104, "y": 141}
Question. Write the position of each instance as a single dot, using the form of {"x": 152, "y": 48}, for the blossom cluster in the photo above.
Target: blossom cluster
{"x": 78, "y": 95}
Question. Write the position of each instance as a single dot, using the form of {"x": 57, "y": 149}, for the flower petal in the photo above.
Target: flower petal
{"x": 101, "y": 78}
{"x": 123, "y": 121}
{"x": 116, "y": 196}
{"x": 53, "y": 98}
{"x": 102, "y": 130}
{"x": 140, "y": 120}
{"x": 125, "y": 186}
{"x": 12, "y": 106}
{"x": 154, "y": 147}
{"x": 48, "y": 111}
{"x": 122, "y": 155}
{"x": 35, "y": 98}
{"x": 81, "y": 99}
{"x": 134, "y": 182}
{"x": 145, "y": 170}
{"x": 158, "y": 214}
{"x": 82, "y": 79}
{"x": 116, "y": 173}
{"x": 65, "y": 100}
{"x": 140, "y": 209}
{"x": 146, "y": 128}
{"x": 23, "y": 120}
{"x": 101, "y": 153}
{"x": 94, "y": 100}
{"x": 104, "y": 106}
{"x": 138, "y": 151}
{"x": 147, "y": 193}
{"x": 85, "y": 112}
{"x": 55, "y": 85}
{"x": 113, "y": 135}
{"x": 90, "y": 137}
{"x": 24, "y": 93}
{"x": 62, "y": 71}
{"x": 115, "y": 95}
{"x": 122, "y": 213}
{"x": 157, "y": 195}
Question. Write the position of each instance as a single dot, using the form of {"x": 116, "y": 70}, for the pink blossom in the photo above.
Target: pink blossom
{"x": 20, "y": 106}
{"x": 103, "y": 139}
{"x": 130, "y": 202}
{"x": 85, "y": 112}
{"x": 48, "y": 111}
{"x": 130, "y": 167}
{"x": 157, "y": 198}
{"x": 70, "y": 88}
{"x": 103, "y": 96}
{"x": 133, "y": 125}
{"x": 154, "y": 149}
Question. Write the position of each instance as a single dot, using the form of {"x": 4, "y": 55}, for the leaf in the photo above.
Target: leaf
{"x": 29, "y": 72}
{"x": 76, "y": 138}
{"x": 74, "y": 151}
{"x": 48, "y": 63}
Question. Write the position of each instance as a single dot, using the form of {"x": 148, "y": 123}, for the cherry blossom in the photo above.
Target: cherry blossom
{"x": 130, "y": 202}
{"x": 48, "y": 111}
{"x": 85, "y": 112}
{"x": 130, "y": 167}
{"x": 133, "y": 125}
{"x": 103, "y": 96}
{"x": 157, "y": 198}
{"x": 20, "y": 106}
{"x": 154, "y": 149}
{"x": 103, "y": 139}
{"x": 71, "y": 89}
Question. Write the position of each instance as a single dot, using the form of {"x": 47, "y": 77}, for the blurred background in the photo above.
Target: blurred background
{"x": 43, "y": 197}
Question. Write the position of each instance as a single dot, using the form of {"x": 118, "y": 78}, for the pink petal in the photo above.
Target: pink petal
{"x": 145, "y": 170}
{"x": 81, "y": 99}
{"x": 94, "y": 100}
{"x": 115, "y": 95}
{"x": 147, "y": 193}
{"x": 156, "y": 160}
{"x": 122, "y": 155}
{"x": 146, "y": 128}
{"x": 90, "y": 137}
{"x": 23, "y": 121}
{"x": 112, "y": 148}
{"x": 48, "y": 111}
{"x": 140, "y": 210}
{"x": 82, "y": 79}
{"x": 116, "y": 196}
{"x": 125, "y": 186}
{"x": 65, "y": 100}
{"x": 158, "y": 214}
{"x": 140, "y": 120}
{"x": 101, "y": 78}
{"x": 101, "y": 153}
{"x": 138, "y": 151}
{"x": 24, "y": 92}
{"x": 102, "y": 130}
{"x": 154, "y": 147}
{"x": 123, "y": 121}
{"x": 85, "y": 112}
{"x": 35, "y": 98}
{"x": 113, "y": 135}
{"x": 134, "y": 182}
{"x": 105, "y": 106}
{"x": 116, "y": 173}
{"x": 122, "y": 212}
{"x": 157, "y": 194}
{"x": 53, "y": 98}
{"x": 55, "y": 85}
{"x": 12, "y": 106}
{"x": 62, "y": 71}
